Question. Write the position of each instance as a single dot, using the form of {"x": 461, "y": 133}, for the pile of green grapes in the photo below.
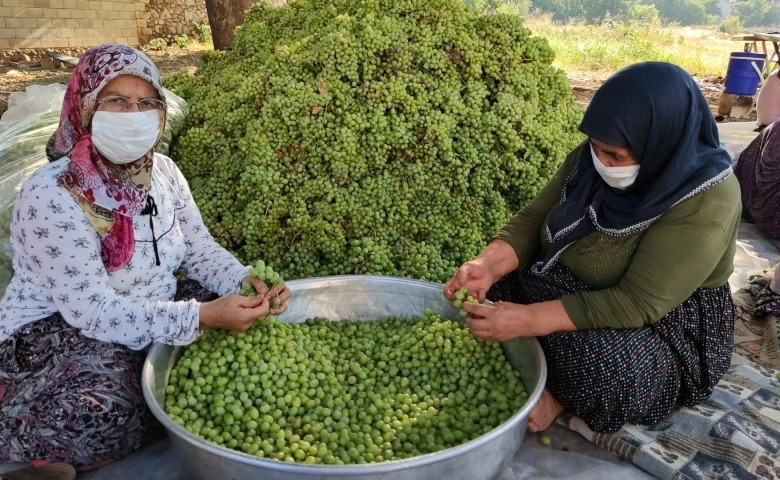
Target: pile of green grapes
{"x": 390, "y": 137}
{"x": 343, "y": 392}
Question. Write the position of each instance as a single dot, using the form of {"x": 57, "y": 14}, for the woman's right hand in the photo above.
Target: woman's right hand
{"x": 473, "y": 275}
{"x": 233, "y": 312}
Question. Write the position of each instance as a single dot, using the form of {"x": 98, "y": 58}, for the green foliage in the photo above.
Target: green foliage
{"x": 757, "y": 13}
{"x": 491, "y": 7}
{"x": 643, "y": 14}
{"x": 181, "y": 41}
{"x": 157, "y": 44}
{"x": 204, "y": 32}
{"x": 688, "y": 12}
{"x": 372, "y": 136}
{"x": 731, "y": 25}
{"x": 589, "y": 11}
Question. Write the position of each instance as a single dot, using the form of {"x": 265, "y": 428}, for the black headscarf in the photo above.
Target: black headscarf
{"x": 657, "y": 111}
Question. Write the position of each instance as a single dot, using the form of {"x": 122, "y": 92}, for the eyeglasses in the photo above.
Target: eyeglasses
{"x": 122, "y": 104}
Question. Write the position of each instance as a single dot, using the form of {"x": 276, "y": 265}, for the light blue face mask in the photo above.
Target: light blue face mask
{"x": 616, "y": 177}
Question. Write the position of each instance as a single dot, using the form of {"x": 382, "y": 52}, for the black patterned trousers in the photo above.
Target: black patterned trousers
{"x": 609, "y": 377}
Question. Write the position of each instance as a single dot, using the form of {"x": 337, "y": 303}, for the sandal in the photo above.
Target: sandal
{"x": 52, "y": 471}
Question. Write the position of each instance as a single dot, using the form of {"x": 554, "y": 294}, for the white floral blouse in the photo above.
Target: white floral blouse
{"x": 57, "y": 264}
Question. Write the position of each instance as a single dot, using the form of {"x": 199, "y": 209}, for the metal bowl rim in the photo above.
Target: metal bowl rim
{"x": 366, "y": 468}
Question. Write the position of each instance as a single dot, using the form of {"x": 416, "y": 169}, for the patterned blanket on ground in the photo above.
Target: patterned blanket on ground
{"x": 733, "y": 435}
{"x": 756, "y": 332}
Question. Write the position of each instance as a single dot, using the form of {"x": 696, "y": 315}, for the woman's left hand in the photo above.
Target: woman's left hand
{"x": 259, "y": 285}
{"x": 495, "y": 322}
{"x": 279, "y": 291}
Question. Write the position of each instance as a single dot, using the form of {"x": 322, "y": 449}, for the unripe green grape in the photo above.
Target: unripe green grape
{"x": 387, "y": 381}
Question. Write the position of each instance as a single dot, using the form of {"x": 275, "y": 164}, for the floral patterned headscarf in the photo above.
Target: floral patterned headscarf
{"x": 109, "y": 194}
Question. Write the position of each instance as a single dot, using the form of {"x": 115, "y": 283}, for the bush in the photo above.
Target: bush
{"x": 757, "y": 13}
{"x": 590, "y": 11}
{"x": 688, "y": 12}
{"x": 203, "y": 31}
{"x": 491, "y": 7}
{"x": 181, "y": 41}
{"x": 157, "y": 44}
{"x": 372, "y": 136}
{"x": 644, "y": 14}
{"x": 731, "y": 25}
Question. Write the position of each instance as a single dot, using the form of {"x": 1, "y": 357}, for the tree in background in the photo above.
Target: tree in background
{"x": 641, "y": 13}
{"x": 224, "y": 17}
{"x": 587, "y": 10}
{"x": 688, "y": 12}
{"x": 600, "y": 9}
{"x": 511, "y": 7}
{"x": 562, "y": 10}
{"x": 757, "y": 13}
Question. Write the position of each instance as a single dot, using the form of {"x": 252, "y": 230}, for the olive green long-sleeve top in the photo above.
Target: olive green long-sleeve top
{"x": 641, "y": 277}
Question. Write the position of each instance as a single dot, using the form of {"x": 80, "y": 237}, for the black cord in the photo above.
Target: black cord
{"x": 151, "y": 210}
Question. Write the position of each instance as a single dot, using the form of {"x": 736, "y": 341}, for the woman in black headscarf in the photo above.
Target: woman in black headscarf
{"x": 620, "y": 265}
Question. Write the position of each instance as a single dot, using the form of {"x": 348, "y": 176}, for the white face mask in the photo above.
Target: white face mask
{"x": 125, "y": 137}
{"x": 617, "y": 177}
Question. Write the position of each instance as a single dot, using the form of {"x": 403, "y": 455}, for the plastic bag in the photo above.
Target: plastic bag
{"x": 755, "y": 254}
{"x": 29, "y": 122}
{"x": 35, "y": 100}
{"x": 174, "y": 122}
{"x": 26, "y": 126}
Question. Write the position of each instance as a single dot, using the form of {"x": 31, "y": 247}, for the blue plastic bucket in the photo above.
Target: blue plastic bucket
{"x": 744, "y": 73}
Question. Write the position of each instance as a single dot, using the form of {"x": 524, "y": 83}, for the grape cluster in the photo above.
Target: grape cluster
{"x": 462, "y": 296}
{"x": 264, "y": 273}
{"x": 390, "y": 137}
{"x": 343, "y": 392}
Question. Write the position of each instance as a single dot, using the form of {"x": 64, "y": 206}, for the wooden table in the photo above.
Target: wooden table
{"x": 752, "y": 42}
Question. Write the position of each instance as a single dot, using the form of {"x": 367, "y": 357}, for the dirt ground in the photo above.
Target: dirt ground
{"x": 15, "y": 77}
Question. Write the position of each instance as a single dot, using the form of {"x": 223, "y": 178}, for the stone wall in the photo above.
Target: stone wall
{"x": 26, "y": 24}
{"x": 30, "y": 24}
{"x": 169, "y": 18}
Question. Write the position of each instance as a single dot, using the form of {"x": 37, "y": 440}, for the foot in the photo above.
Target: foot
{"x": 544, "y": 413}
{"x": 52, "y": 471}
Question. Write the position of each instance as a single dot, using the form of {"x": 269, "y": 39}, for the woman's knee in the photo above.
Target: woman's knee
{"x": 609, "y": 365}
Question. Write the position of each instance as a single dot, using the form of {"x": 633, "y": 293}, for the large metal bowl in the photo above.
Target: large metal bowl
{"x": 357, "y": 298}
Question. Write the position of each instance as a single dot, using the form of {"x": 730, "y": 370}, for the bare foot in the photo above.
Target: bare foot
{"x": 544, "y": 413}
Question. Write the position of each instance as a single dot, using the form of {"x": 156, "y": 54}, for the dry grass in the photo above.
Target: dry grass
{"x": 598, "y": 51}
